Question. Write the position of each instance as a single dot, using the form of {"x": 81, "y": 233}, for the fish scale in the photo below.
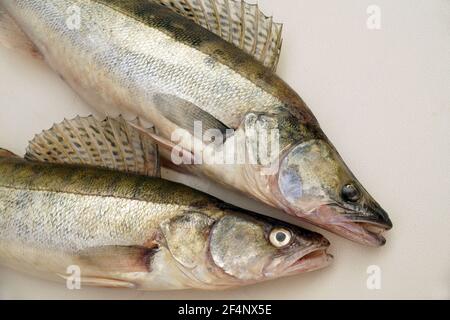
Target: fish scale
{"x": 53, "y": 203}
{"x": 109, "y": 42}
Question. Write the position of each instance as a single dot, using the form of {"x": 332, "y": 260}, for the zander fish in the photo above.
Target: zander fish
{"x": 59, "y": 211}
{"x": 176, "y": 62}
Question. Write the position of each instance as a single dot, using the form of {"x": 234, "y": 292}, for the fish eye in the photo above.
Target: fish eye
{"x": 280, "y": 237}
{"x": 350, "y": 193}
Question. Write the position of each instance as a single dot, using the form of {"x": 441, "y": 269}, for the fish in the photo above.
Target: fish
{"x": 179, "y": 63}
{"x": 86, "y": 204}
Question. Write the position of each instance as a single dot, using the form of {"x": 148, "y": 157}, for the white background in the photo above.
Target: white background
{"x": 383, "y": 98}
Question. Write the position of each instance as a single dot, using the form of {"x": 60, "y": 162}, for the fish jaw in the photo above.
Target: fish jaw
{"x": 310, "y": 259}
{"x": 337, "y": 220}
{"x": 345, "y": 223}
{"x": 315, "y": 260}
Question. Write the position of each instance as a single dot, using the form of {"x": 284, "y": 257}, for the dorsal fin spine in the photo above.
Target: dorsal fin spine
{"x": 95, "y": 141}
{"x": 217, "y": 15}
{"x": 255, "y": 41}
{"x": 55, "y": 128}
{"x": 128, "y": 134}
{"x": 105, "y": 143}
{"x": 242, "y": 36}
{"x": 230, "y": 29}
{"x": 266, "y": 45}
{"x": 117, "y": 138}
{"x": 67, "y": 123}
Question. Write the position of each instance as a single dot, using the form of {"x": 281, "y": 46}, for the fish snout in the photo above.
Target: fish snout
{"x": 381, "y": 217}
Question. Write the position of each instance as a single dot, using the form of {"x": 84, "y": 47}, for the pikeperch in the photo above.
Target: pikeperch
{"x": 60, "y": 212}
{"x": 175, "y": 62}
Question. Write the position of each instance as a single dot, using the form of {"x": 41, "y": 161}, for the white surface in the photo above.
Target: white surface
{"x": 382, "y": 96}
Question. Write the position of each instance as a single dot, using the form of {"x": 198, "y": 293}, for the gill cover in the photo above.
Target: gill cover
{"x": 239, "y": 247}
{"x": 187, "y": 237}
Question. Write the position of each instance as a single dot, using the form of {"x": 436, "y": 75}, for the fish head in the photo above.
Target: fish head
{"x": 314, "y": 183}
{"x": 251, "y": 249}
{"x": 303, "y": 174}
{"x": 230, "y": 247}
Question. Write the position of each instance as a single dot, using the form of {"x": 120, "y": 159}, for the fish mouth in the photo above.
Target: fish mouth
{"x": 364, "y": 232}
{"x": 313, "y": 259}
{"x": 356, "y": 227}
{"x": 351, "y": 225}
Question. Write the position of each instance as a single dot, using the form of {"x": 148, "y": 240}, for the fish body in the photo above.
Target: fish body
{"x": 146, "y": 59}
{"x": 125, "y": 230}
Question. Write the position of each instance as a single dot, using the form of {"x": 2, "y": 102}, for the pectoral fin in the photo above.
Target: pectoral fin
{"x": 103, "y": 282}
{"x": 111, "y": 266}
{"x": 166, "y": 145}
{"x": 117, "y": 259}
{"x": 186, "y": 115}
{"x": 111, "y": 143}
{"x": 114, "y": 266}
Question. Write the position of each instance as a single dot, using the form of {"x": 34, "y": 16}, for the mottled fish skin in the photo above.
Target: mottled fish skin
{"x": 131, "y": 55}
{"x": 137, "y": 232}
{"x": 50, "y": 213}
{"x": 126, "y": 53}
{"x": 131, "y": 45}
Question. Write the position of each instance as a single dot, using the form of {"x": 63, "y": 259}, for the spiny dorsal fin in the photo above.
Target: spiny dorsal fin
{"x": 238, "y": 22}
{"x": 112, "y": 143}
